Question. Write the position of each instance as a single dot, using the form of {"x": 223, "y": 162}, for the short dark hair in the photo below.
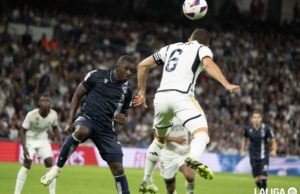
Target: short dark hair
{"x": 256, "y": 112}
{"x": 125, "y": 59}
{"x": 201, "y": 35}
{"x": 44, "y": 95}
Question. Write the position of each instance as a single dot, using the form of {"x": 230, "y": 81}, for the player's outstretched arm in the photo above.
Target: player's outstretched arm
{"x": 243, "y": 147}
{"x": 212, "y": 69}
{"x": 142, "y": 75}
{"x": 273, "y": 147}
{"x": 79, "y": 93}
{"x": 22, "y": 133}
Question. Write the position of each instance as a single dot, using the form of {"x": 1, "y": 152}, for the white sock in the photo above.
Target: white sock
{"x": 198, "y": 144}
{"x": 52, "y": 185}
{"x": 174, "y": 192}
{"x": 189, "y": 187}
{"x": 153, "y": 154}
{"x": 21, "y": 178}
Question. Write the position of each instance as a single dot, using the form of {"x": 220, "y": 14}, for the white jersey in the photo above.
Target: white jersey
{"x": 177, "y": 130}
{"x": 36, "y": 126}
{"x": 182, "y": 66}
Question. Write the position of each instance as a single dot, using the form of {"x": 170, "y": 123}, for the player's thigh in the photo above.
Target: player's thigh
{"x": 82, "y": 126}
{"x": 163, "y": 114}
{"x": 31, "y": 148}
{"x": 108, "y": 146}
{"x": 189, "y": 112}
{"x": 168, "y": 167}
{"x": 44, "y": 151}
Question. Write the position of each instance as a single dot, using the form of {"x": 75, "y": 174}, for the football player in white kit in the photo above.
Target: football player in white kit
{"x": 34, "y": 139}
{"x": 182, "y": 64}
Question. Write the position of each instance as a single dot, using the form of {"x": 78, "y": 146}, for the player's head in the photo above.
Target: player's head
{"x": 256, "y": 118}
{"x": 44, "y": 102}
{"x": 124, "y": 67}
{"x": 201, "y": 35}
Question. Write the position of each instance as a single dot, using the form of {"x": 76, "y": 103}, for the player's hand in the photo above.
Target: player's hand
{"x": 273, "y": 153}
{"x": 68, "y": 128}
{"x": 233, "y": 88}
{"x": 180, "y": 139}
{"x": 25, "y": 153}
{"x": 120, "y": 118}
{"x": 140, "y": 99}
{"x": 243, "y": 153}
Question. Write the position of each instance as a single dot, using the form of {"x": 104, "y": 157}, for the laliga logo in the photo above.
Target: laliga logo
{"x": 291, "y": 190}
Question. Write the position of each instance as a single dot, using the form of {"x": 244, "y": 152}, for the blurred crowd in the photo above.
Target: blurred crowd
{"x": 267, "y": 66}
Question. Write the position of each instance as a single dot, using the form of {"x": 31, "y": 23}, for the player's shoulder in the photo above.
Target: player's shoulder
{"x": 52, "y": 112}
{"x": 100, "y": 72}
{"x": 33, "y": 112}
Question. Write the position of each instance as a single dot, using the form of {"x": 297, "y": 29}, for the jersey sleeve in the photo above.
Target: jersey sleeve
{"x": 203, "y": 52}
{"x": 128, "y": 101}
{"x": 89, "y": 80}
{"x": 160, "y": 56}
{"x": 26, "y": 122}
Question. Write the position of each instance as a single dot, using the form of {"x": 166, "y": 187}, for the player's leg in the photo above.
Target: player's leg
{"x": 23, "y": 172}
{"x": 82, "y": 132}
{"x": 152, "y": 157}
{"x": 171, "y": 185}
{"x": 259, "y": 170}
{"x": 111, "y": 151}
{"x": 48, "y": 162}
{"x": 189, "y": 175}
{"x": 193, "y": 118}
{"x": 117, "y": 171}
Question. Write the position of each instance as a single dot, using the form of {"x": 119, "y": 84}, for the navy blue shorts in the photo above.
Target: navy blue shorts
{"x": 259, "y": 167}
{"x": 106, "y": 142}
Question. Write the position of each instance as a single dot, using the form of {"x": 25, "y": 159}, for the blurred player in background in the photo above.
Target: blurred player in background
{"x": 182, "y": 64}
{"x": 259, "y": 135}
{"x": 154, "y": 154}
{"x": 34, "y": 139}
{"x": 108, "y": 99}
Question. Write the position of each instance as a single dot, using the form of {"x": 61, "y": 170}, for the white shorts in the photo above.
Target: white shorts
{"x": 39, "y": 148}
{"x": 184, "y": 106}
{"x": 170, "y": 162}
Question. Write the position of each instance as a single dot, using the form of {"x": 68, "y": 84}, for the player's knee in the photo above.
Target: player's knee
{"x": 190, "y": 177}
{"x": 27, "y": 164}
{"x": 116, "y": 169}
{"x": 203, "y": 134}
{"x": 171, "y": 188}
{"x": 82, "y": 133}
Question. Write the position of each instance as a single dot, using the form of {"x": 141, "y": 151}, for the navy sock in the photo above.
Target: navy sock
{"x": 121, "y": 184}
{"x": 264, "y": 184}
{"x": 68, "y": 148}
{"x": 258, "y": 184}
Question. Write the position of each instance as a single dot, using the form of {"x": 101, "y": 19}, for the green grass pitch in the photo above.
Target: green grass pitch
{"x": 95, "y": 180}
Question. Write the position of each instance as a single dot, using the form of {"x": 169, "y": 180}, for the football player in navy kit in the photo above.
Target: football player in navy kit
{"x": 107, "y": 99}
{"x": 259, "y": 135}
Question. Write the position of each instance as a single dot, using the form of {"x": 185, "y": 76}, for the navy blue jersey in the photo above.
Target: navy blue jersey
{"x": 105, "y": 97}
{"x": 259, "y": 141}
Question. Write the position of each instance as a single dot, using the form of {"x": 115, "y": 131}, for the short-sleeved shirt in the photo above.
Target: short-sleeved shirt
{"x": 182, "y": 65}
{"x": 259, "y": 141}
{"x": 105, "y": 97}
{"x": 37, "y": 126}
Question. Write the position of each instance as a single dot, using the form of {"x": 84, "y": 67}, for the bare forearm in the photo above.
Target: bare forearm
{"x": 142, "y": 78}
{"x": 213, "y": 70}
{"x": 273, "y": 145}
{"x": 244, "y": 145}
{"x": 23, "y": 137}
{"x": 74, "y": 107}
